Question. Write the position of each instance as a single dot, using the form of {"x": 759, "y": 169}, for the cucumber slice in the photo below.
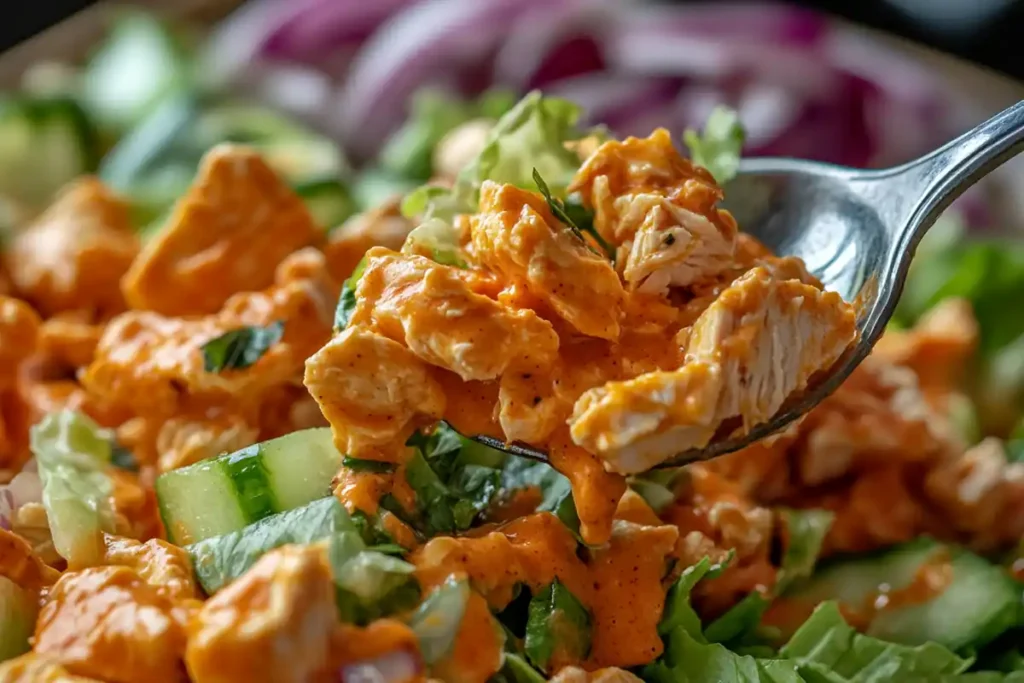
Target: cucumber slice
{"x": 226, "y": 493}
{"x": 17, "y": 619}
{"x": 979, "y": 604}
{"x": 198, "y": 502}
{"x": 300, "y": 466}
{"x": 328, "y": 201}
{"x": 139, "y": 64}
{"x": 44, "y": 144}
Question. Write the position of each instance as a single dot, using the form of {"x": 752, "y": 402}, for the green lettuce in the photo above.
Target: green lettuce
{"x": 532, "y": 135}
{"x": 554, "y": 487}
{"x": 437, "y": 620}
{"x": 433, "y": 114}
{"x": 827, "y": 645}
{"x": 369, "y": 584}
{"x": 718, "y": 147}
{"x": 73, "y": 453}
{"x": 679, "y": 614}
{"x": 347, "y": 300}
{"x": 455, "y": 480}
{"x": 805, "y": 531}
{"x": 221, "y": 559}
{"x": 558, "y": 623}
{"x": 240, "y": 348}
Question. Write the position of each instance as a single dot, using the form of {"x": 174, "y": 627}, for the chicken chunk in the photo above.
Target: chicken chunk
{"x": 73, "y": 256}
{"x": 19, "y": 337}
{"x": 673, "y": 246}
{"x": 434, "y": 311}
{"x": 186, "y": 439}
{"x": 649, "y": 200}
{"x": 758, "y": 343}
{"x": 273, "y": 624}
{"x": 227, "y": 235}
{"x": 384, "y": 226}
{"x": 165, "y": 567}
{"x": 515, "y": 235}
{"x": 154, "y": 364}
{"x": 372, "y": 390}
{"x": 70, "y": 339}
{"x": 107, "y": 623}
{"x": 20, "y": 564}
{"x": 35, "y": 668}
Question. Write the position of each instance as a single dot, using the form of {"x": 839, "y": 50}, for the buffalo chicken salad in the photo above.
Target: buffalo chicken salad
{"x": 235, "y": 436}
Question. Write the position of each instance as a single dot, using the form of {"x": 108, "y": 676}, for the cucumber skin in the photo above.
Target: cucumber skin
{"x": 852, "y": 580}
{"x": 250, "y": 480}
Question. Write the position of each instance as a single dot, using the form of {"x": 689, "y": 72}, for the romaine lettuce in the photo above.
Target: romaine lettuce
{"x": 559, "y": 624}
{"x": 72, "y": 453}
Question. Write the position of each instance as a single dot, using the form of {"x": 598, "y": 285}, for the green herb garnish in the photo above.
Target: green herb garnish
{"x": 240, "y": 348}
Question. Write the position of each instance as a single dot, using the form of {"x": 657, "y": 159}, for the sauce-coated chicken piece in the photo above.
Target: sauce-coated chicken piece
{"x": 516, "y": 235}
{"x": 760, "y": 341}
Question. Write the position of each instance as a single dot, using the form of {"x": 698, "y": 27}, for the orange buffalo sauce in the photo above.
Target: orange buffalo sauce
{"x": 620, "y": 583}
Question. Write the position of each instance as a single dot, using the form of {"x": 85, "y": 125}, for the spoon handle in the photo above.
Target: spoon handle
{"x": 938, "y": 178}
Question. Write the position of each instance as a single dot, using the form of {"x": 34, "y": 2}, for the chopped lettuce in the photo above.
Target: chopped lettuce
{"x": 558, "y": 624}
{"x": 532, "y": 135}
{"x": 826, "y": 644}
{"x": 658, "y": 487}
{"x": 347, "y": 299}
{"x": 517, "y": 670}
{"x": 220, "y": 560}
{"x": 18, "y": 610}
{"x": 438, "y": 240}
{"x": 369, "y": 584}
{"x": 679, "y": 614}
{"x": 718, "y": 148}
{"x": 240, "y": 348}
{"x": 372, "y": 466}
{"x": 805, "y": 532}
{"x": 433, "y": 114}
{"x": 72, "y": 453}
{"x": 689, "y": 660}
{"x": 437, "y": 620}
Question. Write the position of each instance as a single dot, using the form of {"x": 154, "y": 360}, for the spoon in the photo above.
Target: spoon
{"x": 857, "y": 231}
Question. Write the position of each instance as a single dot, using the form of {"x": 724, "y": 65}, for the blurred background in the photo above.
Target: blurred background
{"x": 356, "y": 95}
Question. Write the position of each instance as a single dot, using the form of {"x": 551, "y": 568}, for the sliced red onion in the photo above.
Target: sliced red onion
{"x": 394, "y": 667}
{"x": 7, "y": 507}
{"x": 431, "y": 43}
{"x": 26, "y": 487}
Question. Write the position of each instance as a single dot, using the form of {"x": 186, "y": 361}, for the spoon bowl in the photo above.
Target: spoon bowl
{"x": 856, "y": 231}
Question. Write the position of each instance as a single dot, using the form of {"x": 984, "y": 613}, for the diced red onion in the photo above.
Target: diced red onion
{"x": 394, "y": 667}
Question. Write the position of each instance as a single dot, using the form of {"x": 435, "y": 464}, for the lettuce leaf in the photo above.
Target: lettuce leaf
{"x": 558, "y": 623}
{"x": 437, "y": 620}
{"x": 433, "y": 114}
{"x": 825, "y": 642}
{"x": 347, "y": 299}
{"x": 688, "y": 660}
{"x": 72, "y": 453}
{"x": 679, "y": 614}
{"x": 454, "y": 478}
{"x": 221, "y": 559}
{"x": 805, "y": 534}
{"x": 369, "y": 584}
{"x": 532, "y": 135}
{"x": 555, "y": 489}
{"x": 718, "y": 147}
{"x": 240, "y": 348}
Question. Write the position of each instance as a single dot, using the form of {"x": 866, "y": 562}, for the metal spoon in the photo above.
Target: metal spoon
{"x": 856, "y": 230}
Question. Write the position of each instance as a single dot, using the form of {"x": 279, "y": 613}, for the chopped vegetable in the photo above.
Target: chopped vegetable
{"x": 241, "y": 348}
{"x": 237, "y": 489}
{"x": 17, "y": 619}
{"x": 558, "y": 627}
{"x": 72, "y": 453}
{"x": 219, "y": 560}
{"x": 438, "y": 619}
{"x": 718, "y": 147}
{"x": 347, "y": 300}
